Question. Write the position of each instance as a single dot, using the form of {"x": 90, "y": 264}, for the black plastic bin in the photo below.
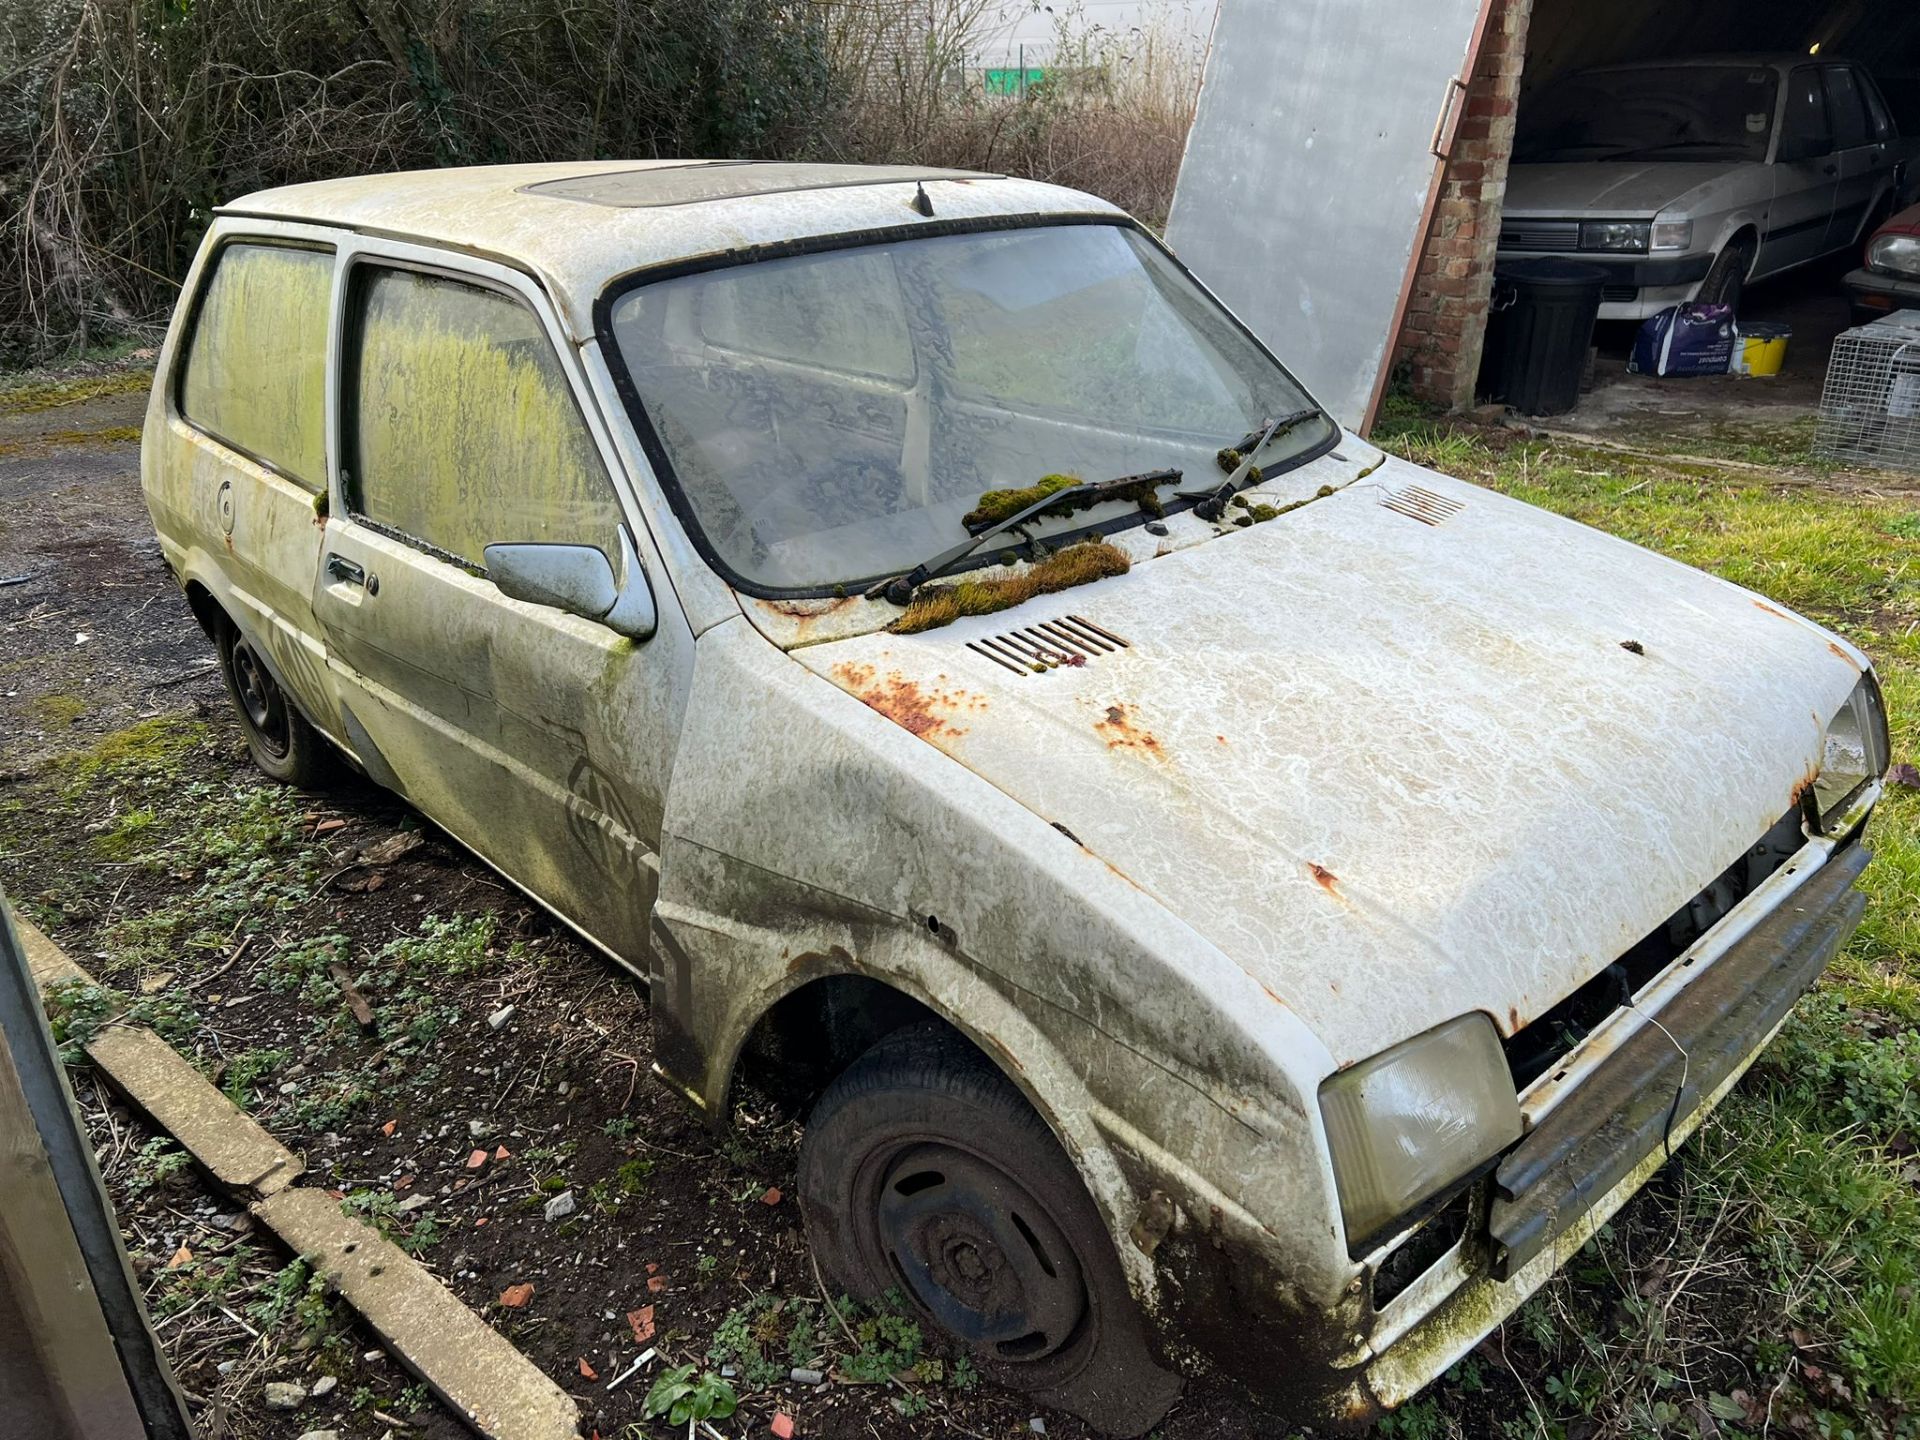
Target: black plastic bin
{"x": 1539, "y": 330}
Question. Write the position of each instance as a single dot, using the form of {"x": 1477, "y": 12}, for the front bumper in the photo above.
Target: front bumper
{"x": 1640, "y": 271}
{"x": 1616, "y": 1123}
{"x": 1874, "y": 294}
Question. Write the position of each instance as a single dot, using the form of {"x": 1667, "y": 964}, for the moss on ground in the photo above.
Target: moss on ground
{"x": 31, "y": 396}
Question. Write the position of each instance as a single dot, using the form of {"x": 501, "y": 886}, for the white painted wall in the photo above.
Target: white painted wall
{"x": 1020, "y": 23}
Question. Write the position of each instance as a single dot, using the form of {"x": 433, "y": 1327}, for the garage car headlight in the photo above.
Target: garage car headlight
{"x": 1856, "y": 750}
{"x": 1895, "y": 254}
{"x": 1672, "y": 234}
{"x": 1616, "y": 235}
{"x": 1406, "y": 1124}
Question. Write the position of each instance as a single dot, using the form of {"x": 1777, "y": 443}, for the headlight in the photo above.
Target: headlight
{"x": 1412, "y": 1120}
{"x": 1672, "y": 234}
{"x": 1614, "y": 235}
{"x": 1896, "y": 254}
{"x": 1856, "y": 749}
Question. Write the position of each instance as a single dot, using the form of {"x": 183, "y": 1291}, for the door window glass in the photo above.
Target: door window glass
{"x": 464, "y": 431}
{"x": 1803, "y": 132}
{"x": 1847, "y": 109}
{"x": 1878, "y": 117}
{"x": 256, "y": 364}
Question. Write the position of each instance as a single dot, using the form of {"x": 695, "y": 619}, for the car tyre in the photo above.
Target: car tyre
{"x": 1726, "y": 282}
{"x": 924, "y": 1170}
{"x": 279, "y": 738}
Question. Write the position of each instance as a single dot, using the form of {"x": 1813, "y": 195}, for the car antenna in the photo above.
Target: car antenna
{"x": 920, "y": 200}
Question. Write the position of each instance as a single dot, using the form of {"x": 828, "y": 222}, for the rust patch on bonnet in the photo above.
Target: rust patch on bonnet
{"x": 1324, "y": 878}
{"x": 928, "y": 713}
{"x": 1851, "y": 662}
{"x": 1121, "y": 729}
{"x": 1771, "y": 610}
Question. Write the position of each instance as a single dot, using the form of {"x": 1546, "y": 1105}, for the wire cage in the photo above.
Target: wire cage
{"x": 1870, "y": 408}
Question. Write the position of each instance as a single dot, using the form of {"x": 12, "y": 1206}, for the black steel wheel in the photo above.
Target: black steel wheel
{"x": 925, "y": 1171}
{"x": 279, "y": 739}
{"x": 1726, "y": 282}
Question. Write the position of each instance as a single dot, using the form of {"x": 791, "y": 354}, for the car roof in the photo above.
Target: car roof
{"x": 579, "y": 225}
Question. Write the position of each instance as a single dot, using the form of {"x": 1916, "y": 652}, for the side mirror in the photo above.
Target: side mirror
{"x": 578, "y": 579}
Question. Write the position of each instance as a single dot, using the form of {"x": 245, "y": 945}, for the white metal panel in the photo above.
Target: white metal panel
{"x": 1312, "y": 170}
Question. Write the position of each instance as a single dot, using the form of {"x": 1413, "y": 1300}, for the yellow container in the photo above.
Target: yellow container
{"x": 1763, "y": 349}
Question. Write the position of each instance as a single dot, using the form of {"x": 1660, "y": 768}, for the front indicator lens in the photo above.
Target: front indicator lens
{"x": 1406, "y": 1124}
{"x": 1856, "y": 750}
{"x": 1672, "y": 234}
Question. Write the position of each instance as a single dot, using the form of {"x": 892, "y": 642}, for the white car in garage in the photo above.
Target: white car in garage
{"x": 1687, "y": 179}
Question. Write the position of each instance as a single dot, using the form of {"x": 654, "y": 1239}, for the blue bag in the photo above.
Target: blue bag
{"x": 1686, "y": 340}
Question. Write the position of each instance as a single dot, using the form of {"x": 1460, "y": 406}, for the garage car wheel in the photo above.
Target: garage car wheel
{"x": 280, "y": 741}
{"x": 1726, "y": 282}
{"x": 925, "y": 1171}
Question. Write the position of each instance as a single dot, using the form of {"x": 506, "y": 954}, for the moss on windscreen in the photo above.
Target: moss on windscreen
{"x": 997, "y": 505}
{"x": 1078, "y": 565}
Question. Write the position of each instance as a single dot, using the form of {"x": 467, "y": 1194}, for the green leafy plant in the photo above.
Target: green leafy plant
{"x": 678, "y": 1397}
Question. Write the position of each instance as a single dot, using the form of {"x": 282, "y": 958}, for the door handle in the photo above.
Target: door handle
{"x": 341, "y": 568}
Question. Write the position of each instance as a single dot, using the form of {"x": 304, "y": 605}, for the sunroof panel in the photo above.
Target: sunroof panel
{"x": 728, "y": 180}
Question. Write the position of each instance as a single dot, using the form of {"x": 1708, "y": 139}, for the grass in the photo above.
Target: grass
{"x": 1771, "y": 1279}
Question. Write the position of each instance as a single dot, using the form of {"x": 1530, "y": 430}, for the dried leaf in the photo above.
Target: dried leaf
{"x": 182, "y": 1256}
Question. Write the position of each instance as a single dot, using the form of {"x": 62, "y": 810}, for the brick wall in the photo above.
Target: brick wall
{"x": 1440, "y": 340}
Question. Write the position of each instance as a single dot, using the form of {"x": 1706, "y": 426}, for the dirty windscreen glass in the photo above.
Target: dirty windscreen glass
{"x": 1665, "y": 112}
{"x": 828, "y": 418}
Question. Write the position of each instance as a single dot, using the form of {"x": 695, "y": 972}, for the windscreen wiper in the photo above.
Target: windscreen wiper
{"x": 1212, "y": 503}
{"x": 899, "y": 590}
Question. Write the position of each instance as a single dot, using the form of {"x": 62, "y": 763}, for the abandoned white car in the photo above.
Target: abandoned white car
{"x": 1222, "y": 892}
{"x": 1686, "y": 179}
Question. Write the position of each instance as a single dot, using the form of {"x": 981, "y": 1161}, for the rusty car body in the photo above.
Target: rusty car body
{"x": 1367, "y": 879}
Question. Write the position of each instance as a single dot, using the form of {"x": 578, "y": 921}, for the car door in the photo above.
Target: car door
{"x": 1805, "y": 176}
{"x": 541, "y": 740}
{"x": 1861, "y": 159}
{"x": 242, "y": 453}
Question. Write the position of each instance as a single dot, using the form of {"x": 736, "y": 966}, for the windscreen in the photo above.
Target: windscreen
{"x": 1665, "y": 112}
{"x": 829, "y": 418}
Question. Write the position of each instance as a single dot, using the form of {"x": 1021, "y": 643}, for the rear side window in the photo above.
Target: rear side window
{"x": 1848, "y": 110}
{"x": 1877, "y": 114}
{"x": 256, "y": 366}
{"x": 1804, "y": 134}
{"x": 464, "y": 433}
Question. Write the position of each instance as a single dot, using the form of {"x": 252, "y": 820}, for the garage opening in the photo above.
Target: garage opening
{"x": 1743, "y": 150}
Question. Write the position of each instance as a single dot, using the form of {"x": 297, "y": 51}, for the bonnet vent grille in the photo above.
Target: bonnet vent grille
{"x": 1418, "y": 503}
{"x": 1049, "y": 644}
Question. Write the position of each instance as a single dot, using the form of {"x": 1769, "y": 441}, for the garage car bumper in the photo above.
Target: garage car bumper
{"x": 1583, "y": 1159}
{"x": 1874, "y": 294}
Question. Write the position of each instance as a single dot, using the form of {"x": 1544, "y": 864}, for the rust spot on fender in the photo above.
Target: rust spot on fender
{"x": 1325, "y": 879}
{"x": 1514, "y": 1022}
{"x": 1803, "y": 785}
{"x": 1773, "y": 610}
{"x": 1853, "y": 663}
{"x": 929, "y": 713}
{"x": 1122, "y": 730}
